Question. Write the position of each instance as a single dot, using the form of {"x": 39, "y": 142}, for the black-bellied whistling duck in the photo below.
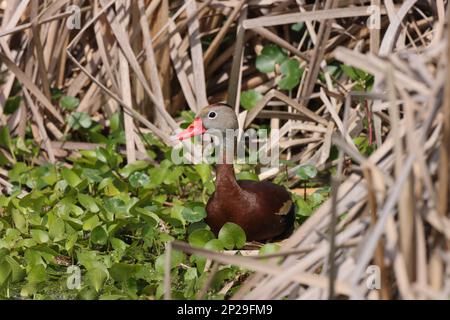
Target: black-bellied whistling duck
{"x": 264, "y": 210}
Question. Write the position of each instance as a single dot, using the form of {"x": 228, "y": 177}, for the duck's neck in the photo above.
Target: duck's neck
{"x": 225, "y": 176}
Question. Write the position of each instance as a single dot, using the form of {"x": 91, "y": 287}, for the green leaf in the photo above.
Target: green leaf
{"x": 316, "y": 198}
{"x": 303, "y": 208}
{"x": 214, "y": 244}
{"x": 269, "y": 57}
{"x": 122, "y": 271}
{"x": 96, "y": 277}
{"x": 19, "y": 221}
{"x": 194, "y": 215}
{"x": 56, "y": 93}
{"x": 269, "y": 248}
{"x": 56, "y": 228}
{"x": 250, "y": 99}
{"x": 232, "y": 236}
{"x": 139, "y": 179}
{"x": 5, "y": 139}
{"x": 12, "y": 104}
{"x": 297, "y": 26}
{"x": 40, "y": 236}
{"x": 70, "y": 243}
{"x": 88, "y": 202}
{"x": 177, "y": 258}
{"x": 307, "y": 172}
{"x": 247, "y": 175}
{"x": 70, "y": 177}
{"x": 37, "y": 274}
{"x": 91, "y": 223}
{"x": 69, "y": 103}
{"x": 115, "y": 122}
{"x": 199, "y": 238}
{"x": 87, "y": 293}
{"x": 17, "y": 272}
{"x": 291, "y": 74}
{"x": 132, "y": 167}
{"x": 78, "y": 120}
{"x": 5, "y": 272}
{"x": 99, "y": 236}
{"x": 118, "y": 245}
{"x": 204, "y": 171}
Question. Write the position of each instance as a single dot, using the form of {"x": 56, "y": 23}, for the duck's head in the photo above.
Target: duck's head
{"x": 217, "y": 116}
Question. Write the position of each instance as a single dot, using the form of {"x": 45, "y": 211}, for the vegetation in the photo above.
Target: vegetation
{"x": 93, "y": 207}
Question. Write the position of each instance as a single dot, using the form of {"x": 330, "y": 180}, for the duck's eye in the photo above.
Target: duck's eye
{"x": 212, "y": 115}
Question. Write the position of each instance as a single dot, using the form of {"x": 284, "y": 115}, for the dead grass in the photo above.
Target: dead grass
{"x": 146, "y": 58}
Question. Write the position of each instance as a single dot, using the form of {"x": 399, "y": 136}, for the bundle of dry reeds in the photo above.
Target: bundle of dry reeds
{"x": 146, "y": 58}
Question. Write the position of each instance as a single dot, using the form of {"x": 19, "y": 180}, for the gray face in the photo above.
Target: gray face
{"x": 219, "y": 116}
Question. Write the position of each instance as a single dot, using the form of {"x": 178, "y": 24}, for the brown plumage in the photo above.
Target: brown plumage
{"x": 264, "y": 210}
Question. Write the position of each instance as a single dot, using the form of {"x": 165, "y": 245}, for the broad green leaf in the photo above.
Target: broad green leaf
{"x": 115, "y": 122}
{"x": 88, "y": 202}
{"x": 132, "y": 167}
{"x": 70, "y": 177}
{"x": 78, "y": 120}
{"x": 247, "y": 175}
{"x": 199, "y": 238}
{"x": 87, "y": 293}
{"x": 71, "y": 240}
{"x": 40, "y": 236}
{"x": 5, "y": 272}
{"x": 96, "y": 277}
{"x": 17, "y": 171}
{"x": 232, "y": 236}
{"x": 37, "y": 274}
{"x": 356, "y": 74}
{"x": 99, "y": 236}
{"x": 269, "y": 57}
{"x": 102, "y": 154}
{"x": 28, "y": 290}
{"x": 307, "y": 172}
{"x": 316, "y": 198}
{"x": 204, "y": 171}
{"x": 177, "y": 258}
{"x": 250, "y": 99}
{"x": 122, "y": 271}
{"x": 303, "y": 208}
{"x": 297, "y": 26}
{"x": 269, "y": 248}
{"x": 150, "y": 218}
{"x": 5, "y": 139}
{"x": 56, "y": 93}
{"x": 19, "y": 221}
{"x": 139, "y": 179}
{"x": 12, "y": 104}
{"x": 69, "y": 103}
{"x": 214, "y": 244}
{"x": 91, "y": 223}
{"x": 194, "y": 215}
{"x": 118, "y": 245}
{"x": 56, "y": 228}
{"x": 290, "y": 69}
{"x": 17, "y": 272}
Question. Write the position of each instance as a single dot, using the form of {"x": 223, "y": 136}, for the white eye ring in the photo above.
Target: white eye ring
{"x": 212, "y": 115}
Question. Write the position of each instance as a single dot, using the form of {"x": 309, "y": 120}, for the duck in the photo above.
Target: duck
{"x": 264, "y": 210}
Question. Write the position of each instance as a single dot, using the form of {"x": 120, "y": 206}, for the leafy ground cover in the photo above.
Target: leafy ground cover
{"x": 113, "y": 220}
